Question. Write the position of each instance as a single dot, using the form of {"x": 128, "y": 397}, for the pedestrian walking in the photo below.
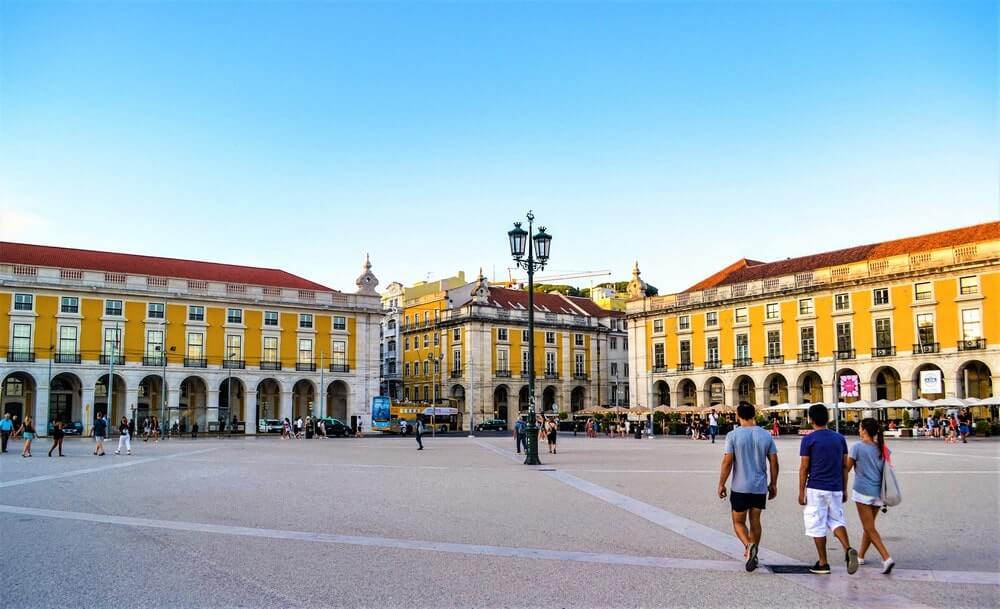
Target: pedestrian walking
{"x": 360, "y": 433}
{"x": 713, "y": 425}
{"x": 125, "y": 437}
{"x": 964, "y": 424}
{"x": 27, "y": 431}
{"x": 749, "y": 454}
{"x": 520, "y": 438}
{"x": 6, "y": 428}
{"x": 57, "y": 438}
{"x": 868, "y": 458}
{"x": 552, "y": 430}
{"x": 100, "y": 432}
{"x": 823, "y": 472}
{"x": 418, "y": 431}
{"x": 155, "y": 429}
{"x": 952, "y": 430}
{"x": 775, "y": 428}
{"x": 299, "y": 426}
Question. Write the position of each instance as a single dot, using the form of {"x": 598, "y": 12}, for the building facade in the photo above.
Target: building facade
{"x": 190, "y": 342}
{"x": 782, "y": 332}
{"x": 469, "y": 346}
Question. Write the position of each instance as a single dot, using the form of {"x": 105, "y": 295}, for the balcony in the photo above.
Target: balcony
{"x": 66, "y": 358}
{"x": 685, "y": 367}
{"x": 926, "y": 348}
{"x": 339, "y": 368}
{"x": 844, "y": 354}
{"x": 195, "y": 362}
{"x": 456, "y": 373}
{"x": 107, "y": 359}
{"x": 525, "y": 374}
{"x": 549, "y": 374}
{"x": 973, "y": 344}
{"x": 305, "y": 366}
{"x": 265, "y": 365}
{"x": 503, "y": 374}
{"x": 234, "y": 364}
{"x": 580, "y": 376}
{"x": 713, "y": 364}
{"x": 811, "y": 356}
{"x": 661, "y": 369}
{"x": 153, "y": 360}
{"x": 774, "y": 360}
{"x": 742, "y": 362}
{"x": 884, "y": 351}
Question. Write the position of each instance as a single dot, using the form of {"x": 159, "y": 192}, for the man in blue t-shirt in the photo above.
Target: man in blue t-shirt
{"x": 822, "y": 480}
{"x": 749, "y": 451}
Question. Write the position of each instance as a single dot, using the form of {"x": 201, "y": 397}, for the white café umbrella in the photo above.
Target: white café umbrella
{"x": 949, "y": 403}
{"x": 993, "y": 401}
{"x": 922, "y": 403}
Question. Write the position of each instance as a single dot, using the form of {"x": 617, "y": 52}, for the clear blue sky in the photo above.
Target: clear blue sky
{"x": 683, "y": 134}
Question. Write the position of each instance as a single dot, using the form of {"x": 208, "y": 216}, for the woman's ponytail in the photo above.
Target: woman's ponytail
{"x": 874, "y": 431}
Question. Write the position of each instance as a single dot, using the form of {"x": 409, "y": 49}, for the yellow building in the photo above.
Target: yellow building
{"x": 230, "y": 341}
{"x": 469, "y": 345}
{"x": 781, "y": 332}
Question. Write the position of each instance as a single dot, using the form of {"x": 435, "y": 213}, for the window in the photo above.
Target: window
{"x": 659, "y": 361}
{"x": 23, "y": 302}
{"x": 406, "y": 321}
{"x": 684, "y": 322}
{"x": 968, "y": 285}
{"x": 234, "y": 316}
{"x": 270, "y": 349}
{"x": 925, "y": 328}
{"x": 525, "y": 367}
{"x": 772, "y": 311}
{"x": 154, "y": 343}
{"x": 67, "y": 340}
{"x": 196, "y": 313}
{"x": 21, "y": 340}
{"x": 613, "y": 342}
{"x": 806, "y": 306}
{"x": 456, "y": 360}
{"x": 195, "y": 345}
{"x": 456, "y": 335}
{"x": 883, "y": 333}
{"x": 550, "y": 338}
{"x": 112, "y": 341}
{"x": 711, "y": 319}
{"x": 550, "y": 362}
{"x": 427, "y": 393}
{"x": 339, "y": 322}
{"x": 625, "y": 369}
{"x": 427, "y": 340}
{"x": 427, "y": 368}
{"x": 437, "y": 366}
{"x": 844, "y": 342}
{"x": 406, "y": 343}
{"x": 686, "y": 352}
{"x": 503, "y": 360}
{"x": 742, "y": 347}
{"x": 657, "y": 325}
{"x": 525, "y": 336}
{"x": 155, "y": 310}
{"x": 614, "y": 368}
{"x": 578, "y": 340}
{"x": 305, "y": 351}
{"x": 807, "y": 341}
{"x": 625, "y": 343}
{"x": 113, "y": 308}
{"x": 406, "y": 390}
{"x": 70, "y": 304}
{"x": 773, "y": 344}
{"x": 842, "y": 302}
{"x": 922, "y": 291}
{"x": 502, "y": 334}
{"x": 271, "y": 318}
{"x": 579, "y": 364}
{"x": 406, "y": 369}
{"x": 972, "y": 327}
{"x": 880, "y": 296}
{"x": 741, "y": 315}
{"x": 437, "y": 339}
{"x": 427, "y": 317}
{"x": 305, "y": 320}
{"x": 712, "y": 349}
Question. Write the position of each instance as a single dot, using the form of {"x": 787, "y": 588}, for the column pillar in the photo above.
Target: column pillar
{"x": 250, "y": 411}
{"x": 211, "y": 409}
{"x": 907, "y": 389}
{"x": 761, "y": 397}
{"x": 285, "y": 408}
{"x": 131, "y": 403}
{"x": 173, "y": 407}
{"x": 41, "y": 413}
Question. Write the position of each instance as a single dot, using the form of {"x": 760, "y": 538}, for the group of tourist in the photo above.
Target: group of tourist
{"x": 751, "y": 458}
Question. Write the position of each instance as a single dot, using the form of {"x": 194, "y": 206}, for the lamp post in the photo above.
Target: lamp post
{"x": 537, "y": 256}
{"x": 435, "y": 365}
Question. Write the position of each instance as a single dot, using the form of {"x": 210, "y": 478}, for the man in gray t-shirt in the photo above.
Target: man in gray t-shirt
{"x": 749, "y": 451}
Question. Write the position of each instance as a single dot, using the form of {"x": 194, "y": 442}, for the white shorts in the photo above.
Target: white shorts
{"x": 824, "y": 512}
{"x": 857, "y": 497}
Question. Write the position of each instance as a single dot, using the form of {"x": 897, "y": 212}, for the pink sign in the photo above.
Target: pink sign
{"x": 850, "y": 386}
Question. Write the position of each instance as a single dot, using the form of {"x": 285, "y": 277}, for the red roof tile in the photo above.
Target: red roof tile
{"x": 552, "y": 302}
{"x": 91, "y": 260}
{"x": 750, "y": 270}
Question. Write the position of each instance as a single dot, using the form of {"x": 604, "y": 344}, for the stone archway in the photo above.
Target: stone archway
{"x": 845, "y": 376}
{"x": 523, "y": 399}
{"x": 501, "y": 396}
{"x": 336, "y": 400}
{"x": 268, "y": 399}
{"x": 193, "y": 404}
{"x": 715, "y": 391}
{"x": 917, "y": 393}
{"x": 150, "y": 401}
{"x": 458, "y": 397}
{"x": 661, "y": 393}
{"x": 975, "y": 380}
{"x": 577, "y": 399}
{"x": 810, "y": 387}
{"x": 118, "y": 406}
{"x": 687, "y": 392}
{"x": 886, "y": 384}
{"x": 17, "y": 395}
{"x": 303, "y": 399}
{"x": 744, "y": 391}
{"x": 238, "y": 393}
{"x": 775, "y": 389}
{"x": 65, "y": 399}
{"x": 548, "y": 398}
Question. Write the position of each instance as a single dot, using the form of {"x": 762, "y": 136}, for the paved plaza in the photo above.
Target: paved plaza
{"x": 261, "y": 522}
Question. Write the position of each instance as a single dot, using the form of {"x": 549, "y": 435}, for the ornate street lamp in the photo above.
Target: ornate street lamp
{"x": 537, "y": 257}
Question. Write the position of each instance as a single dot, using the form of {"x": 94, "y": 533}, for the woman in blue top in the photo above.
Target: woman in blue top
{"x": 867, "y": 458}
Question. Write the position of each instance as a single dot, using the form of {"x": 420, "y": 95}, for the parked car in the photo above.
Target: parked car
{"x": 492, "y": 425}
{"x": 335, "y": 427}
{"x": 70, "y": 429}
{"x": 269, "y": 426}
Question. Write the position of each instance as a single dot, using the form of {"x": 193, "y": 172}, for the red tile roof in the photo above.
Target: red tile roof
{"x": 44, "y": 255}
{"x": 751, "y": 270}
{"x": 552, "y": 302}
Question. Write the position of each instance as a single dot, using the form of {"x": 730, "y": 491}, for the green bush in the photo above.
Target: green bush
{"x": 983, "y": 428}
{"x": 674, "y": 417}
{"x": 761, "y": 420}
{"x": 906, "y": 418}
{"x": 659, "y": 417}
{"x": 677, "y": 429}
{"x": 995, "y": 429}
{"x": 563, "y": 416}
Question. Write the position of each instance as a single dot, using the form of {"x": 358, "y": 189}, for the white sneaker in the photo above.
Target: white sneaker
{"x": 130, "y": 452}
{"x": 887, "y": 566}
{"x": 117, "y": 453}
{"x": 861, "y": 561}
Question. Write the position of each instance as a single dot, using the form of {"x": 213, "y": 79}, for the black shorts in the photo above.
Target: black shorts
{"x": 742, "y": 502}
